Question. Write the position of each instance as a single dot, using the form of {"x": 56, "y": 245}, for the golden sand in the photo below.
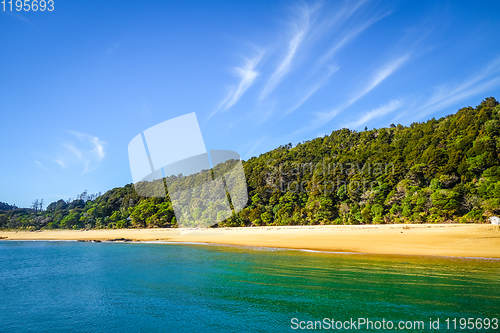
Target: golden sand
{"x": 412, "y": 239}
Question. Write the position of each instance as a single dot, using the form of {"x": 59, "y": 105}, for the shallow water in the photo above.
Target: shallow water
{"x": 117, "y": 287}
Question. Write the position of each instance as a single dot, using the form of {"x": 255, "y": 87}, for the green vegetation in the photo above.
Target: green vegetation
{"x": 436, "y": 171}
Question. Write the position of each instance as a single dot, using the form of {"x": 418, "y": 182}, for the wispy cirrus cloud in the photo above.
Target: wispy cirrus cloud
{"x": 254, "y": 147}
{"x": 344, "y": 38}
{"x": 302, "y": 98}
{"x": 87, "y": 151}
{"x": 305, "y": 50}
{"x": 379, "y": 76}
{"x": 60, "y": 161}
{"x": 41, "y": 165}
{"x": 376, "y": 113}
{"x": 77, "y": 152}
{"x": 300, "y": 28}
{"x": 445, "y": 96}
{"x": 350, "y": 34}
{"x": 96, "y": 144}
{"x": 368, "y": 54}
{"x": 20, "y": 17}
{"x": 247, "y": 75}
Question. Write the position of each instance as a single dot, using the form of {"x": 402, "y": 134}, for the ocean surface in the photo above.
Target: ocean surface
{"x": 126, "y": 287}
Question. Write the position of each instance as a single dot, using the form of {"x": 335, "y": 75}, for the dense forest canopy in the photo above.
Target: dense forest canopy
{"x": 440, "y": 170}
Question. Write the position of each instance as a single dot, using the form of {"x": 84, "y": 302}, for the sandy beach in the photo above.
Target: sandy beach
{"x": 409, "y": 239}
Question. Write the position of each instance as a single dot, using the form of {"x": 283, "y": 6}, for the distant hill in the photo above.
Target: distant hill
{"x": 445, "y": 169}
{"x": 5, "y": 206}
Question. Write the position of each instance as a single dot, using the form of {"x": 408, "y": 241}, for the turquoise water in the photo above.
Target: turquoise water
{"x": 120, "y": 287}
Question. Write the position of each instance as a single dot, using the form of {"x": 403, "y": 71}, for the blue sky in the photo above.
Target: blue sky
{"x": 77, "y": 84}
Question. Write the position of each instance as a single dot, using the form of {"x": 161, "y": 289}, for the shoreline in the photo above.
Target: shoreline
{"x": 448, "y": 240}
{"x": 252, "y": 247}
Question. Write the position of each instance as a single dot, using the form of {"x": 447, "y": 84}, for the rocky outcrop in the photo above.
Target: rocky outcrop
{"x": 119, "y": 240}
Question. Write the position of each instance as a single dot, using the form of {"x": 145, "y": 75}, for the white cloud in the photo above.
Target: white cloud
{"x": 70, "y": 146}
{"x": 86, "y": 152}
{"x": 350, "y": 35}
{"x": 381, "y": 111}
{"x": 308, "y": 93}
{"x": 98, "y": 148}
{"x": 40, "y": 164}
{"x": 446, "y": 96}
{"x": 301, "y": 26}
{"x": 61, "y": 163}
{"x": 230, "y": 92}
{"x": 380, "y": 75}
{"x": 247, "y": 75}
{"x": 321, "y": 118}
{"x": 20, "y": 17}
{"x": 316, "y": 32}
{"x": 304, "y": 98}
{"x": 96, "y": 144}
{"x": 254, "y": 147}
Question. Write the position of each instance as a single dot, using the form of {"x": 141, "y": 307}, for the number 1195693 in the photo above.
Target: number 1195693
{"x": 28, "y": 5}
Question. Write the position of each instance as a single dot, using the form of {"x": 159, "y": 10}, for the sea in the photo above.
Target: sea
{"x": 62, "y": 286}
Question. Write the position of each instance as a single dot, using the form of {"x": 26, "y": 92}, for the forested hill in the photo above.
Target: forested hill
{"x": 436, "y": 171}
{"x": 5, "y": 206}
